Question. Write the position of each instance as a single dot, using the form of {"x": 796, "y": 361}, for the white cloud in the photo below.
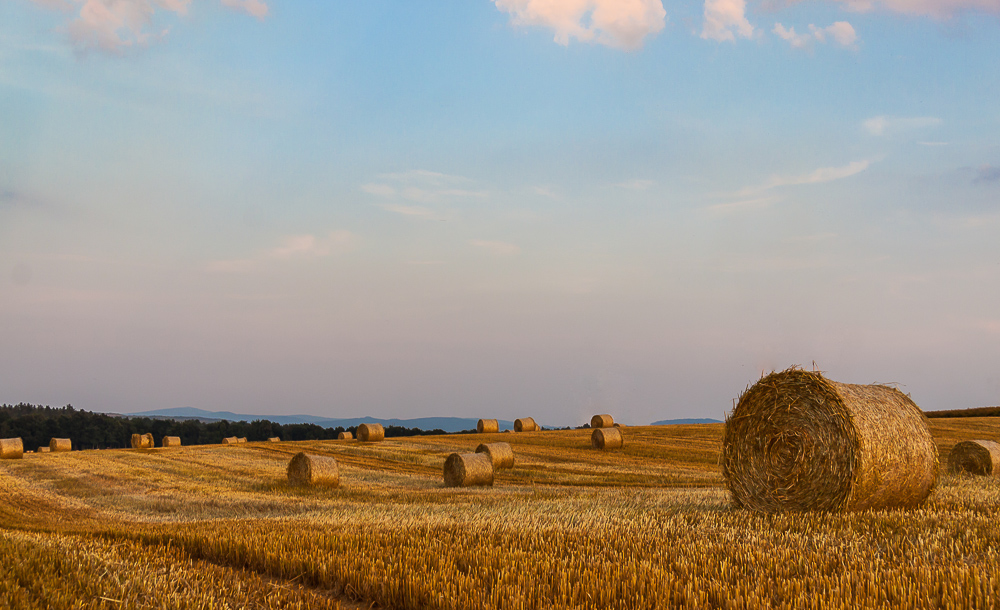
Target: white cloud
{"x": 881, "y": 125}
{"x": 818, "y": 176}
{"x": 292, "y": 247}
{"x": 409, "y": 210}
{"x": 500, "y": 248}
{"x": 422, "y": 186}
{"x": 840, "y": 32}
{"x": 726, "y": 19}
{"x": 622, "y": 24}
{"x": 939, "y": 9}
{"x": 113, "y": 26}
{"x": 743, "y": 205}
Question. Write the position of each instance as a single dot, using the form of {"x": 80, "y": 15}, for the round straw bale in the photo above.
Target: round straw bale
{"x": 43, "y": 450}
{"x": 230, "y": 440}
{"x": 525, "y": 424}
{"x": 274, "y": 439}
{"x": 798, "y": 441}
{"x": 617, "y": 425}
{"x": 345, "y": 436}
{"x": 11, "y": 449}
{"x": 607, "y": 438}
{"x": 142, "y": 441}
{"x": 136, "y": 441}
{"x": 306, "y": 469}
{"x": 486, "y": 426}
{"x": 468, "y": 469}
{"x": 241, "y": 439}
{"x": 60, "y": 444}
{"x": 602, "y": 421}
{"x": 171, "y": 441}
{"x": 500, "y": 454}
{"x": 975, "y": 457}
{"x": 371, "y": 433}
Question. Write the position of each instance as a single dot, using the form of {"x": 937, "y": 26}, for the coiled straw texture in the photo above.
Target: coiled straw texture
{"x": 371, "y": 433}
{"x": 798, "y": 441}
{"x": 607, "y": 438}
{"x": 11, "y": 449}
{"x": 500, "y": 454}
{"x": 485, "y": 426}
{"x": 975, "y": 457}
{"x": 306, "y": 469}
{"x": 468, "y": 469}
{"x": 602, "y": 421}
{"x": 525, "y": 424}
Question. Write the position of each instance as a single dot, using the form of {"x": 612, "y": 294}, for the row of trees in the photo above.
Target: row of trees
{"x": 974, "y": 412}
{"x": 36, "y": 425}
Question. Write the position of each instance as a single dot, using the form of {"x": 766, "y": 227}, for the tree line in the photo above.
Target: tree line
{"x": 36, "y": 425}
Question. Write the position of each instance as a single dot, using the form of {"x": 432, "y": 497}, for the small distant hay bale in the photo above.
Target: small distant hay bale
{"x": 602, "y": 421}
{"x": 11, "y": 449}
{"x": 468, "y": 469}
{"x": 171, "y": 441}
{"x": 241, "y": 439}
{"x": 43, "y": 450}
{"x": 142, "y": 441}
{"x": 617, "y": 425}
{"x": 306, "y": 469}
{"x": 486, "y": 426}
{"x": 60, "y": 444}
{"x": 230, "y": 440}
{"x": 345, "y": 436}
{"x": 607, "y": 438}
{"x": 525, "y": 424}
{"x": 371, "y": 433}
{"x": 975, "y": 457}
{"x": 501, "y": 455}
{"x": 274, "y": 439}
{"x": 798, "y": 441}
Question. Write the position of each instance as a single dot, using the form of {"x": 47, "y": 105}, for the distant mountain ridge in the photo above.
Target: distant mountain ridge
{"x": 448, "y": 424}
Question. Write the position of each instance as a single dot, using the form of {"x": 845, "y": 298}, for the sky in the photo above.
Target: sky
{"x": 507, "y": 208}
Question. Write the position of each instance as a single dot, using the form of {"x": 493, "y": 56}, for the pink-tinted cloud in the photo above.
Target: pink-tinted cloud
{"x": 841, "y": 33}
{"x": 113, "y": 26}
{"x": 725, "y": 20}
{"x": 622, "y": 24}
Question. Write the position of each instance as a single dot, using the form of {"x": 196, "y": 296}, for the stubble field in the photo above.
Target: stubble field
{"x": 649, "y": 526}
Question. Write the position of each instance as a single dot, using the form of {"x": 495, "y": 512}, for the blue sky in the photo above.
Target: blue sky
{"x": 519, "y": 207}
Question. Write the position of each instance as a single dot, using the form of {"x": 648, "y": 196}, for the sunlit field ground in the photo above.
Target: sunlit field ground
{"x": 568, "y": 527}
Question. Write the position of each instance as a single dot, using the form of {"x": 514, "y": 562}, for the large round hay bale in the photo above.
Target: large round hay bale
{"x": 607, "y": 438}
{"x": 798, "y": 441}
{"x": 306, "y": 469}
{"x": 602, "y": 421}
{"x": 43, "y": 449}
{"x": 11, "y": 449}
{"x": 345, "y": 436}
{"x": 171, "y": 441}
{"x": 501, "y": 455}
{"x": 60, "y": 444}
{"x": 525, "y": 424}
{"x": 371, "y": 433}
{"x": 468, "y": 469}
{"x": 274, "y": 439}
{"x": 142, "y": 441}
{"x": 486, "y": 426}
{"x": 975, "y": 457}
{"x": 230, "y": 440}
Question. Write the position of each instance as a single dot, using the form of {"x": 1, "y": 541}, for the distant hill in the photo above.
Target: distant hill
{"x": 974, "y": 412}
{"x": 448, "y": 424}
{"x": 670, "y": 422}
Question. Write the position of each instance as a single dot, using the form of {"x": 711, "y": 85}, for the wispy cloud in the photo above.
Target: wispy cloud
{"x": 409, "y": 210}
{"x": 499, "y": 248}
{"x": 422, "y": 186}
{"x": 743, "y": 205}
{"x": 636, "y": 185}
{"x": 725, "y": 20}
{"x": 291, "y": 248}
{"x": 939, "y": 9}
{"x": 818, "y": 176}
{"x": 622, "y": 24}
{"x": 112, "y": 26}
{"x": 883, "y": 125}
{"x": 987, "y": 174}
{"x": 841, "y": 33}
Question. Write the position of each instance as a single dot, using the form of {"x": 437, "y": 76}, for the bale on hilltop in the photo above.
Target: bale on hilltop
{"x": 501, "y": 455}
{"x": 306, "y": 469}
{"x": 345, "y": 436}
{"x": 60, "y": 444}
{"x": 230, "y": 440}
{"x": 171, "y": 441}
{"x": 11, "y": 449}
{"x": 975, "y": 457}
{"x": 486, "y": 426}
{"x": 525, "y": 424}
{"x": 371, "y": 433}
{"x": 43, "y": 449}
{"x": 142, "y": 441}
{"x": 468, "y": 469}
{"x": 274, "y": 439}
{"x": 607, "y": 438}
{"x": 798, "y": 441}
{"x": 602, "y": 421}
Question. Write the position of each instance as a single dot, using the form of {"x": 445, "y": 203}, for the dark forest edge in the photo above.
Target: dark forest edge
{"x": 975, "y": 412}
{"x": 36, "y": 425}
